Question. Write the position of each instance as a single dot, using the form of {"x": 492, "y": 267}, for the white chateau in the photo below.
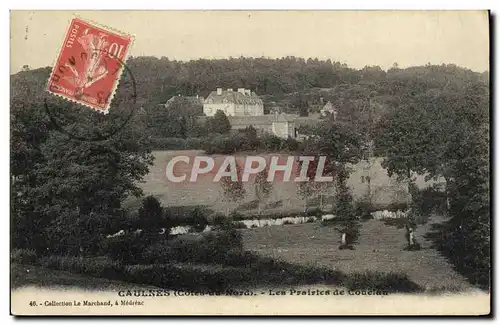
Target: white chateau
{"x": 242, "y": 102}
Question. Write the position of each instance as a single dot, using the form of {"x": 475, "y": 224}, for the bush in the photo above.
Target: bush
{"x": 310, "y": 220}
{"x": 399, "y": 223}
{"x": 313, "y": 212}
{"x": 218, "y": 219}
{"x": 223, "y": 240}
{"x": 212, "y": 247}
{"x": 128, "y": 247}
{"x": 364, "y": 209}
{"x": 392, "y": 282}
{"x": 415, "y": 247}
{"x": 428, "y": 201}
{"x": 396, "y": 206}
{"x": 239, "y": 225}
{"x": 237, "y": 216}
{"x": 158, "y": 253}
{"x": 197, "y": 220}
{"x": 288, "y": 222}
{"x": 152, "y": 216}
{"x": 186, "y": 277}
{"x": 23, "y": 256}
{"x": 100, "y": 266}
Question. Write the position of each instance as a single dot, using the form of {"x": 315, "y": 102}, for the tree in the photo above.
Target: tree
{"x": 346, "y": 222}
{"x": 232, "y": 190}
{"x": 250, "y": 140}
{"x": 68, "y": 192}
{"x": 339, "y": 144}
{"x": 197, "y": 220}
{"x": 176, "y": 118}
{"x": 307, "y": 189}
{"x": 263, "y": 187}
{"x": 446, "y": 133}
{"x": 151, "y": 216}
{"x": 301, "y": 105}
{"x": 219, "y": 123}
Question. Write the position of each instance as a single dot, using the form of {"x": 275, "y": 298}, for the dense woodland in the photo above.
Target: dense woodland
{"x": 67, "y": 194}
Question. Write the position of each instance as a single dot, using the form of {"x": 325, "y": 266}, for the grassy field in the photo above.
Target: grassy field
{"x": 311, "y": 246}
{"x": 30, "y": 275}
{"x": 380, "y": 248}
{"x": 284, "y": 197}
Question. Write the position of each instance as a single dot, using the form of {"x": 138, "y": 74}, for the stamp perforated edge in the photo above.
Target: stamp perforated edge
{"x": 105, "y": 28}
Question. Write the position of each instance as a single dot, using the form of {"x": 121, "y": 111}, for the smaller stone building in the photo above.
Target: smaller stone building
{"x": 329, "y": 109}
{"x": 281, "y": 125}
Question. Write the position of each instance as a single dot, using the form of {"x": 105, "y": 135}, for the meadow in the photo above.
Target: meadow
{"x": 385, "y": 190}
{"x": 380, "y": 249}
{"x": 282, "y": 257}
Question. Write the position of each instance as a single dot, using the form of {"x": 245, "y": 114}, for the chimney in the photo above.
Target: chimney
{"x": 219, "y": 91}
{"x": 241, "y": 91}
{"x": 230, "y": 89}
{"x": 248, "y": 92}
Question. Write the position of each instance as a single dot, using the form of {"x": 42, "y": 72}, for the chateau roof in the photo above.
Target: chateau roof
{"x": 236, "y": 97}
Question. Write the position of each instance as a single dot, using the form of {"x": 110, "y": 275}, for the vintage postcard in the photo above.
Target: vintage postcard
{"x": 250, "y": 163}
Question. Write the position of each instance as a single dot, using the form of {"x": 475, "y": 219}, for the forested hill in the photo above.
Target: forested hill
{"x": 159, "y": 79}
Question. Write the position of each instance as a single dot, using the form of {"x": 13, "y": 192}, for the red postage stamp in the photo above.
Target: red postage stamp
{"x": 89, "y": 65}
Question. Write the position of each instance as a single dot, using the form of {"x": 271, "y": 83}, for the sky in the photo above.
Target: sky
{"x": 357, "y": 38}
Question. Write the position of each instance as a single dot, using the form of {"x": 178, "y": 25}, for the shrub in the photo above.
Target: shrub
{"x": 159, "y": 143}
{"x": 151, "y": 216}
{"x": 310, "y": 220}
{"x": 396, "y": 206}
{"x": 288, "y": 222}
{"x": 415, "y": 247}
{"x": 212, "y": 247}
{"x": 314, "y": 212}
{"x": 128, "y": 247}
{"x": 364, "y": 209}
{"x": 237, "y": 216}
{"x": 391, "y": 282}
{"x": 218, "y": 219}
{"x": 223, "y": 240}
{"x": 158, "y": 253}
{"x": 429, "y": 200}
{"x": 23, "y": 256}
{"x": 239, "y": 225}
{"x": 399, "y": 223}
{"x": 100, "y": 266}
{"x": 197, "y": 219}
{"x": 186, "y": 277}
